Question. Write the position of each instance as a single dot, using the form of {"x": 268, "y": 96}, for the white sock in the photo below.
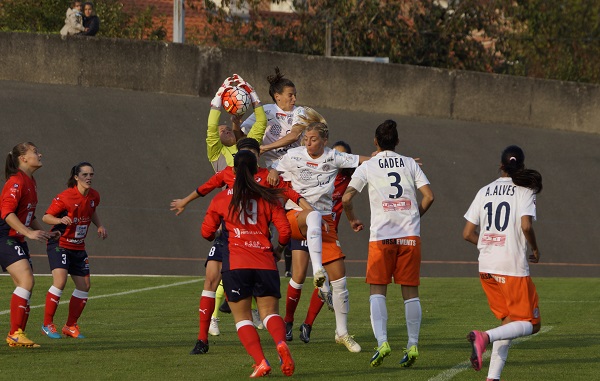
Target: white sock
{"x": 498, "y": 358}
{"x": 297, "y": 286}
{"x": 413, "y": 313}
{"x": 341, "y": 306}
{"x": 23, "y": 293}
{"x": 314, "y": 239}
{"x": 55, "y": 291}
{"x": 379, "y": 317}
{"x": 80, "y": 294}
{"x": 510, "y": 331}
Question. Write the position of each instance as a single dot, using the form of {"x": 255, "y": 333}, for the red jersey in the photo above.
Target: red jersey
{"x": 227, "y": 177}
{"x": 19, "y": 196}
{"x": 80, "y": 209}
{"x": 340, "y": 185}
{"x": 249, "y": 236}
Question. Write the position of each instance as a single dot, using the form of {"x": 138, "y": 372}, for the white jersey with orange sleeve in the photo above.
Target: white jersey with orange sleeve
{"x": 497, "y": 209}
{"x": 314, "y": 179}
{"x": 393, "y": 180}
{"x": 279, "y": 124}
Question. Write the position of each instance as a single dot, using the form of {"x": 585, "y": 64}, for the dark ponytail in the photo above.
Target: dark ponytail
{"x": 75, "y": 171}
{"x": 245, "y": 187}
{"x": 513, "y": 163}
{"x": 277, "y": 83}
{"x": 12, "y": 159}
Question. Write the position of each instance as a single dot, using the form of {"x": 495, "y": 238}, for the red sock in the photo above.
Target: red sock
{"x": 76, "y": 306}
{"x": 205, "y": 311}
{"x": 251, "y": 341}
{"x": 314, "y": 308}
{"x": 291, "y": 303}
{"x": 18, "y": 310}
{"x": 276, "y": 328}
{"x": 25, "y": 317}
{"x": 50, "y": 309}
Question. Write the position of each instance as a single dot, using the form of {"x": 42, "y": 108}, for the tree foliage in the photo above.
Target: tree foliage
{"x": 48, "y": 16}
{"x": 558, "y": 39}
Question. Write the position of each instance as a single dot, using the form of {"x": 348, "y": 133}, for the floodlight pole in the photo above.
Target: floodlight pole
{"x": 178, "y": 21}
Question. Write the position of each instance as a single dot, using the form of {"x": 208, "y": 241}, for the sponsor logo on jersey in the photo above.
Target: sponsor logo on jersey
{"x": 396, "y": 205}
{"x": 92, "y": 203}
{"x": 253, "y": 244}
{"x": 399, "y": 241}
{"x": 312, "y": 165}
{"x": 493, "y": 239}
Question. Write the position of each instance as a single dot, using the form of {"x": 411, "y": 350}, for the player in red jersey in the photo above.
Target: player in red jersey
{"x": 17, "y": 209}
{"x": 225, "y": 177}
{"x": 71, "y": 212}
{"x": 319, "y": 298}
{"x": 249, "y": 268}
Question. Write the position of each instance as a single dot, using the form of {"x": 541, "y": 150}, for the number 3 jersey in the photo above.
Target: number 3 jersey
{"x": 80, "y": 209}
{"x": 19, "y": 196}
{"x": 497, "y": 210}
{"x": 393, "y": 180}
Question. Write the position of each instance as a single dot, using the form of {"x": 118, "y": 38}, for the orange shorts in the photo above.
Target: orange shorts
{"x": 511, "y": 296}
{"x": 332, "y": 249}
{"x": 400, "y": 258}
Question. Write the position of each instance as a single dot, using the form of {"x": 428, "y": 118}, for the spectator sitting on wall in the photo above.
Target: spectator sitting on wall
{"x": 73, "y": 20}
{"x": 91, "y": 22}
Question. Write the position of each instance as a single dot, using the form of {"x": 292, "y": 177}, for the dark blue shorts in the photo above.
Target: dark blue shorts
{"x": 244, "y": 283}
{"x": 11, "y": 251}
{"x": 76, "y": 262}
{"x": 218, "y": 250}
{"x": 296, "y": 244}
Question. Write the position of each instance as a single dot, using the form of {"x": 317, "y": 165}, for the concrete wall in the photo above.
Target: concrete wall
{"x": 322, "y": 82}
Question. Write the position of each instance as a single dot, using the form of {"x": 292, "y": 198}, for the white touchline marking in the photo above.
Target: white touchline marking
{"x": 120, "y": 293}
{"x": 448, "y": 374}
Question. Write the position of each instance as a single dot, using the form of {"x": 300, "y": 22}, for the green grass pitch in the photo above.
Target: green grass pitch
{"x": 142, "y": 328}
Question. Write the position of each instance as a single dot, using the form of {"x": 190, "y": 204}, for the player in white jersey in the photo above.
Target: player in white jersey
{"x": 394, "y": 243}
{"x": 279, "y": 135}
{"x": 312, "y": 169}
{"x": 279, "y": 119}
{"x": 504, "y": 212}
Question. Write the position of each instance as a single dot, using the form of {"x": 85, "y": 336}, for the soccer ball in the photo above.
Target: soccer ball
{"x": 236, "y": 101}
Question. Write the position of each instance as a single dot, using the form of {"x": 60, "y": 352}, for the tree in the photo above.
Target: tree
{"x": 48, "y": 16}
{"x": 558, "y": 39}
